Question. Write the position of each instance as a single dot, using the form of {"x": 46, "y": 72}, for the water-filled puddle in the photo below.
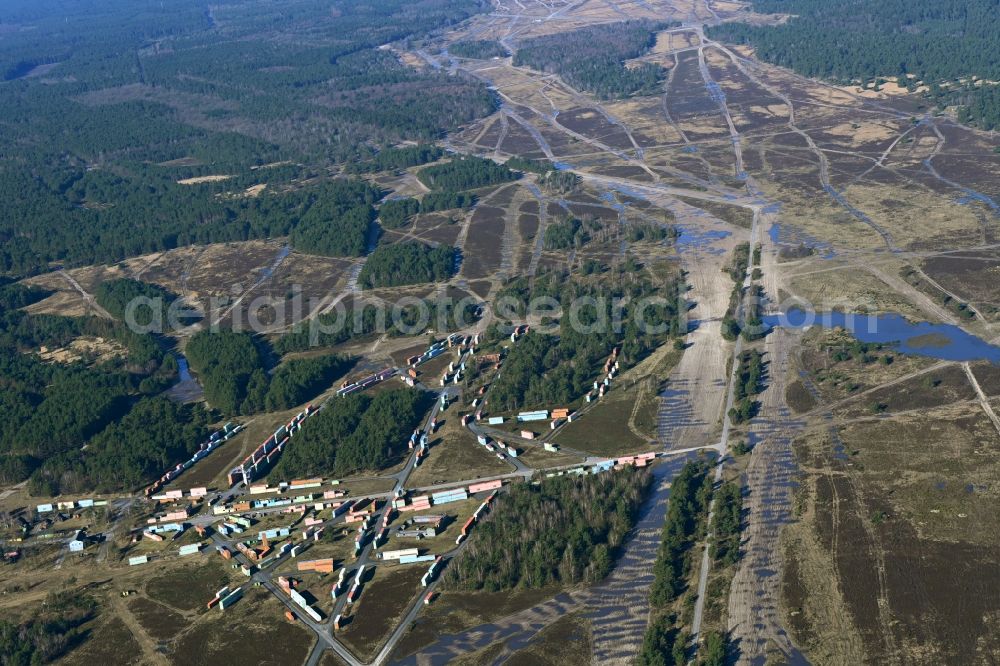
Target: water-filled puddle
{"x": 940, "y": 341}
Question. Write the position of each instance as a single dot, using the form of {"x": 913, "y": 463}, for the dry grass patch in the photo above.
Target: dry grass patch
{"x": 603, "y": 430}
{"x": 669, "y": 41}
{"x": 812, "y": 607}
{"x": 90, "y": 349}
{"x": 455, "y": 455}
{"x": 252, "y": 632}
{"x": 847, "y": 287}
{"x": 62, "y": 302}
{"x": 203, "y": 179}
{"x": 383, "y": 602}
{"x": 863, "y": 132}
{"x": 568, "y": 640}
{"x": 453, "y": 612}
{"x": 911, "y": 214}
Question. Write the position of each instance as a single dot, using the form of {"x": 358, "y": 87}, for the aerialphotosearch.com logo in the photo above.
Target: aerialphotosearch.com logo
{"x": 407, "y": 315}
{"x": 758, "y": 315}
{"x": 322, "y": 318}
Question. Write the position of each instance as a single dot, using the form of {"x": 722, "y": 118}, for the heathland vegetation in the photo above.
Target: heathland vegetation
{"x": 52, "y": 630}
{"x": 358, "y": 320}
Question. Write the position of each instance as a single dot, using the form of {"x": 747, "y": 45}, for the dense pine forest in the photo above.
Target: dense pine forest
{"x": 564, "y": 530}
{"x": 593, "y": 59}
{"x": 480, "y": 49}
{"x": 407, "y": 263}
{"x": 397, "y": 213}
{"x": 543, "y": 369}
{"x": 434, "y": 201}
{"x": 934, "y": 41}
{"x": 116, "y": 295}
{"x": 465, "y": 173}
{"x": 111, "y": 106}
{"x": 227, "y": 363}
{"x": 235, "y": 371}
{"x": 354, "y": 433}
{"x": 396, "y": 158}
{"x": 110, "y": 403}
{"x": 338, "y": 220}
{"x": 690, "y": 492}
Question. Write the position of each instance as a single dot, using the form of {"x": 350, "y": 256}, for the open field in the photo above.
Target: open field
{"x": 609, "y": 427}
{"x": 455, "y": 455}
{"x": 254, "y": 631}
{"x": 904, "y": 511}
{"x": 189, "y": 586}
{"x": 387, "y": 594}
{"x": 453, "y": 611}
{"x": 565, "y": 640}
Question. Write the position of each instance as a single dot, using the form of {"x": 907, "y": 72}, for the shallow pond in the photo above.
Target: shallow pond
{"x": 940, "y": 341}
